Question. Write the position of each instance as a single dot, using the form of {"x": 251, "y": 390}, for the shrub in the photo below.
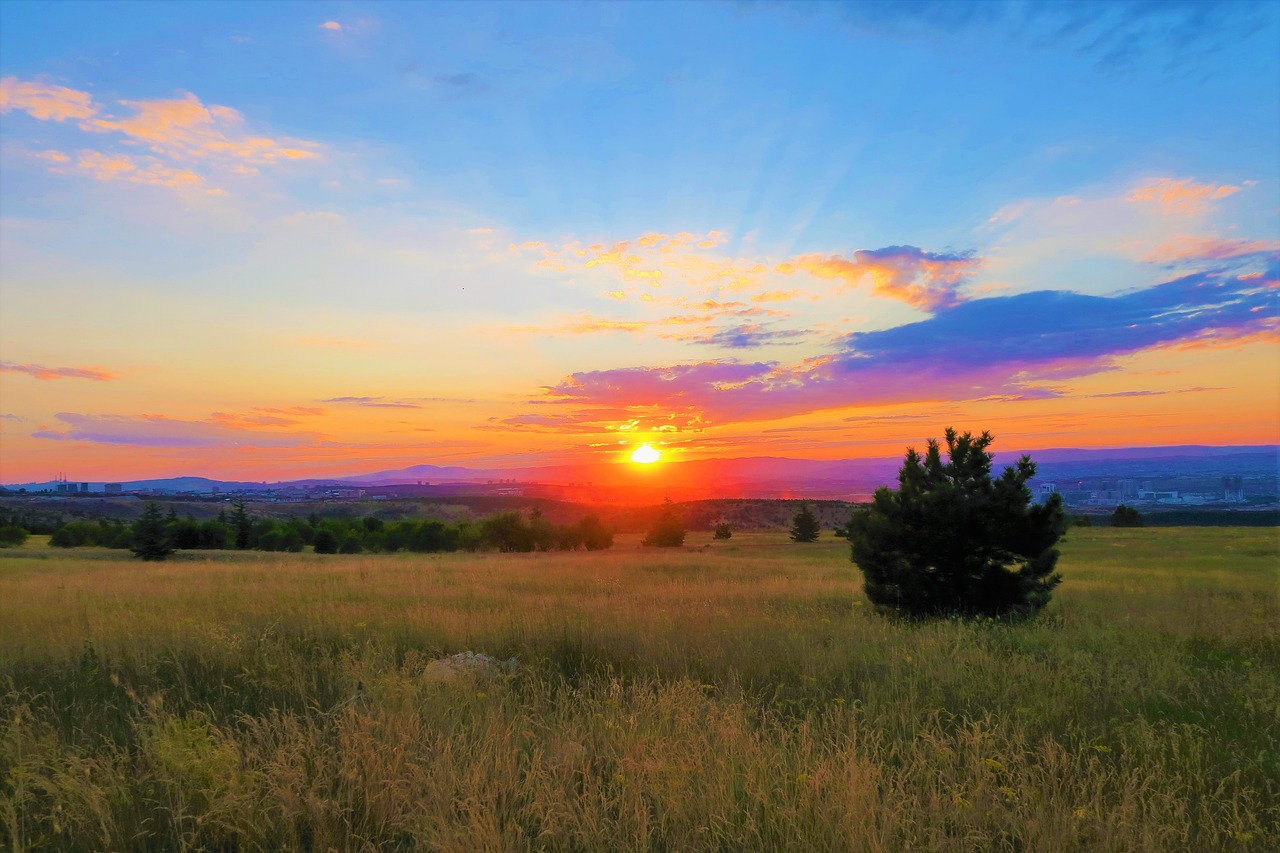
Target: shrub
{"x": 723, "y": 531}
{"x": 668, "y": 531}
{"x": 950, "y": 540}
{"x": 325, "y": 542}
{"x": 11, "y": 536}
{"x": 1126, "y": 516}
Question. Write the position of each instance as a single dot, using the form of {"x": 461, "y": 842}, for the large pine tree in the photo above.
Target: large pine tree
{"x": 951, "y": 540}
{"x": 805, "y": 527}
{"x": 151, "y": 534}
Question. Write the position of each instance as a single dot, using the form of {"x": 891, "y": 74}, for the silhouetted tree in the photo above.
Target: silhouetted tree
{"x": 1126, "y": 516}
{"x": 805, "y": 526}
{"x": 723, "y": 531}
{"x": 668, "y": 531}
{"x": 950, "y": 540}
{"x": 150, "y": 534}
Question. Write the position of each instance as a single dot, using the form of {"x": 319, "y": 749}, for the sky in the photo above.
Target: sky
{"x": 277, "y": 240}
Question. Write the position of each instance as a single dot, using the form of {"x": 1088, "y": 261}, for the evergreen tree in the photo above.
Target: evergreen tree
{"x": 668, "y": 531}
{"x": 151, "y": 535}
{"x": 241, "y": 526}
{"x": 805, "y": 526}
{"x": 950, "y": 540}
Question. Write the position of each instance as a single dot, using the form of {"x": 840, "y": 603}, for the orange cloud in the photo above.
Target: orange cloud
{"x": 185, "y": 127}
{"x": 110, "y": 167}
{"x": 925, "y": 280}
{"x": 1182, "y": 197}
{"x": 331, "y": 26}
{"x": 45, "y": 101}
{"x": 38, "y": 371}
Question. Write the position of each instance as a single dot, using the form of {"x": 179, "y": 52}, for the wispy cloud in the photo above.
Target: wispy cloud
{"x": 1184, "y": 247}
{"x": 160, "y": 431}
{"x": 39, "y": 371}
{"x": 373, "y": 402}
{"x": 331, "y": 26}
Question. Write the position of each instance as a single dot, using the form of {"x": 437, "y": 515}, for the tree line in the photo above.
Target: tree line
{"x": 155, "y": 534}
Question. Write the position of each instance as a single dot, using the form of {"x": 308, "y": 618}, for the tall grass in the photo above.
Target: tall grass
{"x": 730, "y": 697}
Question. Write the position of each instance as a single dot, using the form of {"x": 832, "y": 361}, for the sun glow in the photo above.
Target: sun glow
{"x": 645, "y": 455}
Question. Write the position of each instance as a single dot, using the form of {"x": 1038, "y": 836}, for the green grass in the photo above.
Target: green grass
{"x": 733, "y": 696}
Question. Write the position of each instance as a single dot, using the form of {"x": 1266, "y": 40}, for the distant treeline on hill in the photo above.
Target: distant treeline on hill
{"x": 508, "y": 532}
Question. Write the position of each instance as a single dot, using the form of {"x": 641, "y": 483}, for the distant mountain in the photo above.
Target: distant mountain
{"x": 761, "y": 475}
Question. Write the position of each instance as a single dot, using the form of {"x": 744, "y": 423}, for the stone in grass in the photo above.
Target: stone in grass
{"x": 467, "y": 668}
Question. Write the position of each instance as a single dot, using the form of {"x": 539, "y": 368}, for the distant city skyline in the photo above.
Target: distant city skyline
{"x": 276, "y": 241}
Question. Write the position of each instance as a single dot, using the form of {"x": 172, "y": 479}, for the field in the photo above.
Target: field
{"x": 722, "y": 697}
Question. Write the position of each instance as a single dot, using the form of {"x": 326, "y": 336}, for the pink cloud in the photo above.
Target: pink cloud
{"x": 46, "y": 374}
{"x": 1179, "y": 197}
{"x": 331, "y": 26}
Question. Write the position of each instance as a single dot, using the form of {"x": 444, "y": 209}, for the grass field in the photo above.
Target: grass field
{"x": 737, "y": 696}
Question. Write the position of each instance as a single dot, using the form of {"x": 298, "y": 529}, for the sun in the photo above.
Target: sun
{"x": 645, "y": 455}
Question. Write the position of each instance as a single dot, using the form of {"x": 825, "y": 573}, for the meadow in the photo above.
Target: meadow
{"x": 730, "y": 696}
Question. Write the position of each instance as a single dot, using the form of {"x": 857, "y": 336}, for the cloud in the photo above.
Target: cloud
{"x": 331, "y": 26}
{"x": 1116, "y": 34}
{"x": 9, "y": 417}
{"x": 1005, "y": 347}
{"x": 39, "y": 371}
{"x": 925, "y": 280}
{"x": 1196, "y": 390}
{"x": 1179, "y": 197}
{"x": 751, "y": 335}
{"x": 45, "y": 101}
{"x": 373, "y": 402}
{"x": 184, "y": 128}
{"x": 172, "y": 142}
{"x": 160, "y": 431}
{"x": 1184, "y": 247}
{"x": 111, "y": 167}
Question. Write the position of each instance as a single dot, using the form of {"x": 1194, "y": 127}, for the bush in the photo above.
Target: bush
{"x": 723, "y": 531}
{"x": 668, "y": 531}
{"x": 325, "y": 542}
{"x": 12, "y": 536}
{"x": 1126, "y": 516}
{"x": 805, "y": 526}
{"x": 951, "y": 540}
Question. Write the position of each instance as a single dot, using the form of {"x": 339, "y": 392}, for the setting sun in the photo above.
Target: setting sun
{"x": 645, "y": 455}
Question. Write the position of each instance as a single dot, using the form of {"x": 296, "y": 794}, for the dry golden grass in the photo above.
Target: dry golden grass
{"x": 731, "y": 697}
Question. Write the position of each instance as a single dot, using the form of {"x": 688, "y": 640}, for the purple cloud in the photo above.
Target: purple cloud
{"x": 1000, "y": 347}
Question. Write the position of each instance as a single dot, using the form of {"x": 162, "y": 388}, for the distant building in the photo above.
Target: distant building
{"x": 113, "y": 488}
{"x": 84, "y": 487}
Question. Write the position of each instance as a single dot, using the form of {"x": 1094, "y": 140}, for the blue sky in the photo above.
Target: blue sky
{"x": 450, "y": 178}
